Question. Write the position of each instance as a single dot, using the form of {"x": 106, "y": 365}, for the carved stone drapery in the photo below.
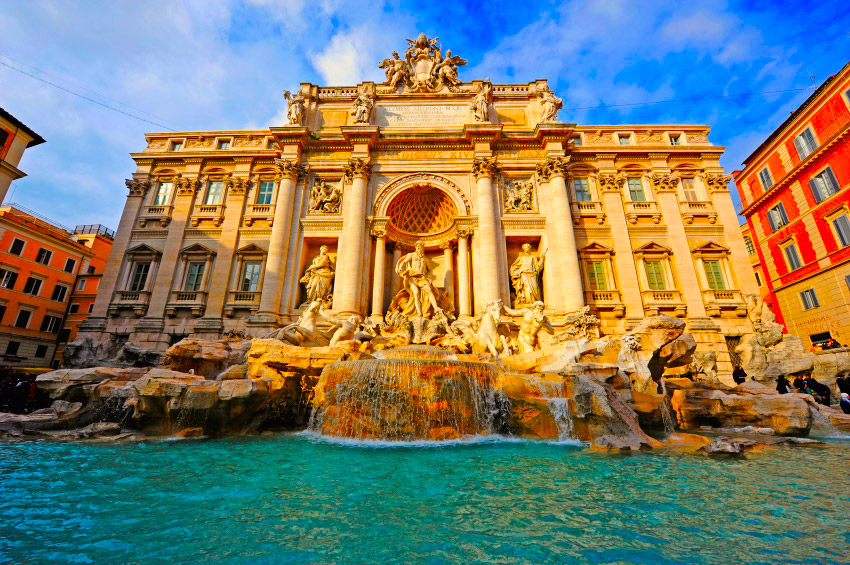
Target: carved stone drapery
{"x": 484, "y": 167}
{"x": 137, "y": 187}
{"x": 551, "y": 104}
{"x": 716, "y": 181}
{"x": 289, "y": 169}
{"x": 611, "y": 182}
{"x": 665, "y": 182}
{"x": 357, "y": 168}
{"x": 551, "y": 167}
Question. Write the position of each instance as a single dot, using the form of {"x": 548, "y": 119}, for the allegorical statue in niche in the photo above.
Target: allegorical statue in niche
{"x": 418, "y": 297}
{"x": 533, "y": 321}
{"x": 295, "y": 111}
{"x": 519, "y": 197}
{"x": 325, "y": 199}
{"x": 525, "y": 276}
{"x": 319, "y": 277}
{"x": 480, "y": 104}
{"x": 551, "y": 105}
{"x": 362, "y": 108}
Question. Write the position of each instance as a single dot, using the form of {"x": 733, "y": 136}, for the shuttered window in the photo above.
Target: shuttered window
{"x": 805, "y": 143}
{"x": 654, "y": 275}
{"x": 596, "y": 275}
{"x": 714, "y": 275}
{"x": 824, "y": 184}
{"x": 810, "y": 299}
{"x": 636, "y": 193}
{"x": 793, "y": 257}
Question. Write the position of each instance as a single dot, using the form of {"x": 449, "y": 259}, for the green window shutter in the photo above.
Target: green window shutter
{"x": 596, "y": 275}
{"x": 655, "y": 275}
{"x": 714, "y": 275}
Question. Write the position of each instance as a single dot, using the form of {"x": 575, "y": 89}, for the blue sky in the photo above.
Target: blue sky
{"x": 223, "y": 64}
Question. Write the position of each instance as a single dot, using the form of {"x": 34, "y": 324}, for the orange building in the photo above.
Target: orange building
{"x": 99, "y": 239}
{"x": 40, "y": 264}
{"x": 794, "y": 189}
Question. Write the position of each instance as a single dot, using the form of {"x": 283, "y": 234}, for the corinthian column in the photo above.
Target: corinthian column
{"x": 488, "y": 231}
{"x": 269, "y": 310}
{"x": 378, "y": 278}
{"x": 463, "y": 273}
{"x": 349, "y": 267}
{"x": 562, "y": 240}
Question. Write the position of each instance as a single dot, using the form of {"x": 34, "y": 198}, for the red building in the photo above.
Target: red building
{"x": 797, "y": 206}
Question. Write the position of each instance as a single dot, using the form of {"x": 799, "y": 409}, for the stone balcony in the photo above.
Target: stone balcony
{"x": 212, "y": 212}
{"x": 609, "y": 300}
{"x": 239, "y": 300}
{"x": 656, "y": 301}
{"x": 254, "y": 212}
{"x": 161, "y": 214}
{"x": 194, "y": 300}
{"x": 136, "y": 300}
{"x": 592, "y": 210}
{"x": 693, "y": 210}
{"x": 638, "y": 210}
{"x": 716, "y": 301}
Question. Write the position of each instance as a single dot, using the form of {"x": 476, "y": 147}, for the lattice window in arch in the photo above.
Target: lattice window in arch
{"x": 422, "y": 210}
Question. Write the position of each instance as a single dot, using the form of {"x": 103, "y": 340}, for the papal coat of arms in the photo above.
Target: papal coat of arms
{"x": 424, "y": 67}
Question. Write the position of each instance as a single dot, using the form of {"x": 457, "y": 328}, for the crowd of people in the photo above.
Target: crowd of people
{"x": 806, "y": 384}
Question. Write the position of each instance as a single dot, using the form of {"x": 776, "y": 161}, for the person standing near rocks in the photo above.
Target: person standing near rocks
{"x": 845, "y": 403}
{"x": 820, "y": 390}
{"x": 783, "y": 386}
{"x": 843, "y": 383}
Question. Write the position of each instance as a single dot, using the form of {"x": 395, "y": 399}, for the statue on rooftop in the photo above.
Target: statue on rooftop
{"x": 423, "y": 69}
{"x": 551, "y": 105}
{"x": 295, "y": 111}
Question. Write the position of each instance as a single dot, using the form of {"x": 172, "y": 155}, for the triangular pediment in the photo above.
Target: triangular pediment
{"x": 251, "y": 249}
{"x": 596, "y": 248}
{"x": 197, "y": 249}
{"x": 143, "y": 249}
{"x": 710, "y": 247}
{"x": 653, "y": 247}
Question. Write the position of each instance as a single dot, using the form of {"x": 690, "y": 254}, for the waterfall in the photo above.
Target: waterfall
{"x": 408, "y": 395}
{"x": 666, "y": 415}
{"x": 554, "y": 394}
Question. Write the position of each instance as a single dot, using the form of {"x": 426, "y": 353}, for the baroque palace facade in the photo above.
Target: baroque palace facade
{"x": 242, "y": 230}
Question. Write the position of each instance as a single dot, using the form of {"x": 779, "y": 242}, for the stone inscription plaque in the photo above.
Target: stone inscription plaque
{"x": 424, "y": 116}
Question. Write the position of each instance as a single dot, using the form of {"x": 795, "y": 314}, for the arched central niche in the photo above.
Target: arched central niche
{"x": 421, "y": 210}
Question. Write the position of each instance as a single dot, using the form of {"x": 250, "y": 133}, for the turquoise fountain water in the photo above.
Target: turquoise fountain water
{"x": 293, "y": 498}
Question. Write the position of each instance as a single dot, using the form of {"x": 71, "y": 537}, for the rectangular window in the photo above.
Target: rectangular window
{"x": 23, "y": 319}
{"x": 758, "y": 277}
{"x": 766, "y": 179}
{"x": 194, "y": 276}
{"x": 17, "y": 246}
{"x": 81, "y": 286}
{"x": 50, "y": 324}
{"x": 224, "y": 144}
{"x": 655, "y": 275}
{"x": 214, "y": 193}
{"x": 251, "y": 277}
{"x": 596, "y": 275}
{"x": 777, "y": 217}
{"x": 264, "y": 193}
{"x": 805, "y": 143}
{"x": 674, "y": 140}
{"x": 43, "y": 256}
{"x": 820, "y": 338}
{"x": 749, "y": 243}
{"x": 64, "y": 335}
{"x": 810, "y": 299}
{"x": 12, "y": 347}
{"x": 90, "y": 270}
{"x": 2, "y": 312}
{"x": 41, "y": 351}
{"x": 270, "y": 144}
{"x": 32, "y": 286}
{"x": 576, "y": 139}
{"x": 8, "y": 278}
{"x": 59, "y": 293}
{"x": 70, "y": 265}
{"x": 75, "y": 308}
{"x": 582, "y": 190}
{"x": 714, "y": 275}
{"x": 636, "y": 190}
{"x": 176, "y": 145}
{"x": 139, "y": 276}
{"x": 163, "y": 193}
{"x": 824, "y": 184}
{"x": 793, "y": 257}
{"x": 624, "y": 139}
{"x": 91, "y": 306}
{"x": 842, "y": 228}
{"x": 689, "y": 188}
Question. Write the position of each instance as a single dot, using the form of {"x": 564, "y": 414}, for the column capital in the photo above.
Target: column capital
{"x": 553, "y": 167}
{"x": 357, "y": 168}
{"x": 187, "y": 186}
{"x": 378, "y": 233}
{"x": 484, "y": 167}
{"x": 289, "y": 169}
{"x": 237, "y": 186}
{"x": 137, "y": 187}
{"x": 447, "y": 245}
{"x": 464, "y": 233}
{"x": 716, "y": 182}
{"x": 665, "y": 182}
{"x": 611, "y": 182}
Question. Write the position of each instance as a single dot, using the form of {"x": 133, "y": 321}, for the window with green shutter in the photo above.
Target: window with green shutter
{"x": 714, "y": 275}
{"x": 596, "y": 275}
{"x": 654, "y": 275}
{"x": 636, "y": 193}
